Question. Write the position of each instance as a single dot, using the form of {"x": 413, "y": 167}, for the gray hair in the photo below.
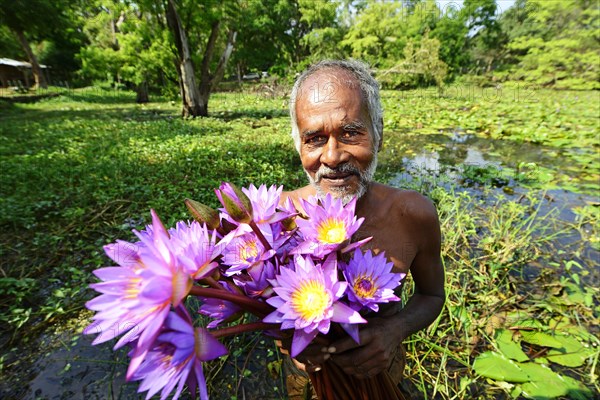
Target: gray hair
{"x": 368, "y": 87}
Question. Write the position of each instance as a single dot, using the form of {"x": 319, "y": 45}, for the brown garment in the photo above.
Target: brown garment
{"x": 299, "y": 386}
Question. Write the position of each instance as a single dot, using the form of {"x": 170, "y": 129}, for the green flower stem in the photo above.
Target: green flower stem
{"x": 254, "y": 306}
{"x": 261, "y": 237}
{"x": 237, "y": 329}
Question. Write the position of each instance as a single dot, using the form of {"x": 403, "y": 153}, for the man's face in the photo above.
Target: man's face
{"x": 336, "y": 142}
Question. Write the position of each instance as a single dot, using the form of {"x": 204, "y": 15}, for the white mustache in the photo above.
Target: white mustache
{"x": 342, "y": 169}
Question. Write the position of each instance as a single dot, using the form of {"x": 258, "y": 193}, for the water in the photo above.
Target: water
{"x": 458, "y": 157}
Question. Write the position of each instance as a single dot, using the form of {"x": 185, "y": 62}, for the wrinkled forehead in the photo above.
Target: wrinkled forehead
{"x": 324, "y": 84}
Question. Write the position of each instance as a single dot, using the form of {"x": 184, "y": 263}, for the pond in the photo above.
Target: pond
{"x": 470, "y": 163}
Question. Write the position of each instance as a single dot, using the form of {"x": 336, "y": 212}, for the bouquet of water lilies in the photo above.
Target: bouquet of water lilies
{"x": 255, "y": 255}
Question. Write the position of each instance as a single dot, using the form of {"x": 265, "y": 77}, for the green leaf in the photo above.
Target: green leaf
{"x": 496, "y": 366}
{"x": 576, "y": 390}
{"x": 537, "y": 372}
{"x": 529, "y": 323}
{"x": 542, "y": 390}
{"x": 549, "y": 384}
{"x": 508, "y": 346}
{"x": 540, "y": 339}
{"x": 572, "y": 352}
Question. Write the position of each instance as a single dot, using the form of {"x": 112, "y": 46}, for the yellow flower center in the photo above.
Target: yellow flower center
{"x": 364, "y": 286}
{"x": 331, "y": 231}
{"x": 310, "y": 300}
{"x": 248, "y": 250}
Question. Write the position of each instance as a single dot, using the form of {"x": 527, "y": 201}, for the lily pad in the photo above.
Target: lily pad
{"x": 508, "y": 347}
{"x": 540, "y": 338}
{"x": 547, "y": 384}
{"x": 495, "y": 366}
{"x": 572, "y": 353}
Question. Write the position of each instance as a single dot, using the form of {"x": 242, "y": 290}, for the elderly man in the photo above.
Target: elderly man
{"x": 337, "y": 127}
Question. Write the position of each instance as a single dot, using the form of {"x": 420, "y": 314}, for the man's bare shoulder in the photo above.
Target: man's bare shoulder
{"x": 297, "y": 194}
{"x": 405, "y": 203}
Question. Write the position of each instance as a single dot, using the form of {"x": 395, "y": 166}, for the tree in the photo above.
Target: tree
{"x": 149, "y": 43}
{"x": 267, "y": 37}
{"x": 322, "y": 30}
{"x": 195, "y": 99}
{"x": 378, "y": 33}
{"x": 485, "y": 39}
{"x": 394, "y": 38}
{"x": 554, "y": 43}
{"x": 421, "y": 66}
{"x": 129, "y": 44}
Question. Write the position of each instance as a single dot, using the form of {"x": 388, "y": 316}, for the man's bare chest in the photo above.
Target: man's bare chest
{"x": 399, "y": 245}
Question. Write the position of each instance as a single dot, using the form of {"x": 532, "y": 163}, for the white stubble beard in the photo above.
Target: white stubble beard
{"x": 365, "y": 178}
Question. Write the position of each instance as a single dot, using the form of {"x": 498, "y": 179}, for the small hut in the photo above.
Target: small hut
{"x": 17, "y": 73}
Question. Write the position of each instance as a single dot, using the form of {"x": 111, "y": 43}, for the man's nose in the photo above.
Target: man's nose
{"x": 333, "y": 153}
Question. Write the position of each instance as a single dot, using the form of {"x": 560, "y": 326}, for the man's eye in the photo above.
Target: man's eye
{"x": 349, "y": 134}
{"x": 315, "y": 139}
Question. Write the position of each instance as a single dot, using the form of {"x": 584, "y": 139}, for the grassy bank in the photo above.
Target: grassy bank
{"x": 83, "y": 169}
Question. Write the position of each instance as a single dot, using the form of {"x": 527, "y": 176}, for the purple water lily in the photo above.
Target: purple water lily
{"x": 259, "y": 251}
{"x": 307, "y": 300}
{"x": 176, "y": 358}
{"x": 244, "y": 252}
{"x": 370, "y": 280}
{"x": 264, "y": 203}
{"x": 328, "y": 227}
{"x": 136, "y": 298}
{"x": 196, "y": 248}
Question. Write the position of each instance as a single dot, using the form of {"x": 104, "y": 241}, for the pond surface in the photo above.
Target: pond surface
{"x": 66, "y": 366}
{"x": 459, "y": 157}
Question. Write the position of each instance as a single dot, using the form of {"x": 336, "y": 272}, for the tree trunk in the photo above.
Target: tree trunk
{"x": 141, "y": 92}
{"x": 40, "y": 80}
{"x": 207, "y": 83}
{"x": 192, "y": 104}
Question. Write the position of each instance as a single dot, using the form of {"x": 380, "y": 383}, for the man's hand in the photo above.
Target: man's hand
{"x": 379, "y": 342}
{"x": 311, "y": 358}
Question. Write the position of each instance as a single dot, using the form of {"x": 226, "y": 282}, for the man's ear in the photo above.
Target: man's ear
{"x": 380, "y": 145}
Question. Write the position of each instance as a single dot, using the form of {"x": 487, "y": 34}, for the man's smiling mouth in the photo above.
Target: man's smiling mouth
{"x": 338, "y": 179}
{"x": 338, "y": 176}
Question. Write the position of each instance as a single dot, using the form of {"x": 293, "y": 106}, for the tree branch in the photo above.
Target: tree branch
{"x": 218, "y": 75}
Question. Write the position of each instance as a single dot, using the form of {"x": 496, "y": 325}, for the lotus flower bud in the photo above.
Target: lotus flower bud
{"x": 236, "y": 203}
{"x": 203, "y": 214}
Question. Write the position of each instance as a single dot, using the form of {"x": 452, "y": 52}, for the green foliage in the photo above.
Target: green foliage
{"x": 128, "y": 45}
{"x": 554, "y": 43}
{"x": 451, "y": 31}
{"x": 83, "y": 169}
{"x": 263, "y": 43}
{"x": 378, "y": 33}
{"x": 560, "y": 341}
{"x": 394, "y": 39}
{"x": 9, "y": 46}
{"x": 323, "y": 31}
{"x": 420, "y": 66}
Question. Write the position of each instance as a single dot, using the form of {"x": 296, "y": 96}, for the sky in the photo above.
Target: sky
{"x": 503, "y": 5}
